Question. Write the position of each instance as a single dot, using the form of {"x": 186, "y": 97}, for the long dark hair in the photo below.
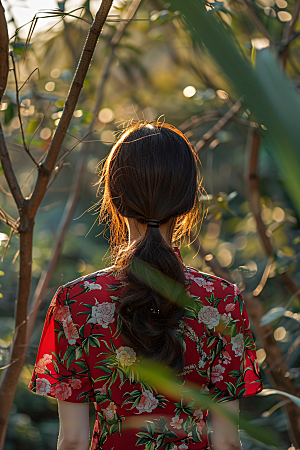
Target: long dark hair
{"x": 152, "y": 172}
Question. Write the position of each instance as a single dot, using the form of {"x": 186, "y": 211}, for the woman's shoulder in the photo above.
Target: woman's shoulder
{"x": 208, "y": 282}
{"x": 99, "y": 285}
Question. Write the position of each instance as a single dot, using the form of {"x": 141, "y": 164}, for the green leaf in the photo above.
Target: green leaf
{"x": 266, "y": 392}
{"x": 150, "y": 427}
{"x": 273, "y": 314}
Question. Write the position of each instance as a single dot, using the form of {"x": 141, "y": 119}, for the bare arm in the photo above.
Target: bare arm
{"x": 225, "y": 435}
{"x": 74, "y": 426}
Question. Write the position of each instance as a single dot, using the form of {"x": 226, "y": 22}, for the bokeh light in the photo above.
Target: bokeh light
{"x": 106, "y": 115}
{"x": 189, "y": 91}
{"x": 78, "y": 113}
{"x": 280, "y": 333}
{"x": 55, "y": 73}
{"x": 261, "y": 355}
{"x": 284, "y": 16}
{"x": 50, "y": 86}
{"x": 45, "y": 133}
{"x": 107, "y": 137}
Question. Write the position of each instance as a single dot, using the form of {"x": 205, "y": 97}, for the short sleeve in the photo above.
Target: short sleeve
{"x": 233, "y": 372}
{"x": 61, "y": 370}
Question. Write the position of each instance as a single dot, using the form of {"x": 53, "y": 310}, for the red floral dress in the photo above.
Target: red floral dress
{"x": 82, "y": 358}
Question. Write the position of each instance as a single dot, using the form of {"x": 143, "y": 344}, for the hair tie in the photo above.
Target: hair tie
{"x": 153, "y": 223}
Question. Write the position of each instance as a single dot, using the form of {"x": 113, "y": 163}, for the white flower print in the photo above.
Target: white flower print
{"x": 183, "y": 447}
{"x": 209, "y": 315}
{"x": 216, "y": 373}
{"x": 238, "y": 344}
{"x": 126, "y": 356}
{"x": 147, "y": 402}
{"x": 92, "y": 286}
{"x": 209, "y": 287}
{"x": 103, "y": 313}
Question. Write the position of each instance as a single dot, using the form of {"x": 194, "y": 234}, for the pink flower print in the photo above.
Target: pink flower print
{"x": 147, "y": 402}
{"x": 61, "y": 313}
{"x": 42, "y": 362}
{"x": 75, "y": 383}
{"x": 226, "y": 356}
{"x": 109, "y": 412}
{"x": 70, "y": 330}
{"x": 176, "y": 422}
{"x": 200, "y": 426}
{"x": 103, "y": 313}
{"x": 42, "y": 386}
{"x": 209, "y": 315}
{"x": 209, "y": 287}
{"x": 103, "y": 390}
{"x": 216, "y": 373}
{"x": 238, "y": 344}
{"x": 229, "y": 307}
{"x": 200, "y": 281}
{"x": 61, "y": 391}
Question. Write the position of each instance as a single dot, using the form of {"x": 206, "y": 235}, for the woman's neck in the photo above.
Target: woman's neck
{"x": 136, "y": 230}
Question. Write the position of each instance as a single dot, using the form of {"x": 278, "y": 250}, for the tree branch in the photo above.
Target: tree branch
{"x": 9, "y": 172}
{"x": 46, "y": 167}
{"x": 210, "y": 135}
{"x": 19, "y": 110}
{"x": 254, "y": 199}
{"x": 3, "y": 51}
{"x": 283, "y": 55}
{"x": 256, "y": 20}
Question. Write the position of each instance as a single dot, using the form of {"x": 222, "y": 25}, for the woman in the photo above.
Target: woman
{"x": 99, "y": 326}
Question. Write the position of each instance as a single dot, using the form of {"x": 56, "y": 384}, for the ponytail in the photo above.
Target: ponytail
{"x": 149, "y": 320}
{"x": 151, "y": 172}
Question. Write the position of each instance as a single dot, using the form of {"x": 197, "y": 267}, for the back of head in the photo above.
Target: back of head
{"x": 151, "y": 173}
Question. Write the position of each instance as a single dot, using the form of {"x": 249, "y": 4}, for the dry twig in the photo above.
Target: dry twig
{"x": 210, "y": 135}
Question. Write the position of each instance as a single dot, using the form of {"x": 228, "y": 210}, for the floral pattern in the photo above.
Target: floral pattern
{"x": 82, "y": 358}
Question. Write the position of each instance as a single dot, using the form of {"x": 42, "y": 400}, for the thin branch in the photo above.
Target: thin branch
{"x": 39, "y": 125}
{"x": 46, "y": 167}
{"x": 19, "y": 110}
{"x": 210, "y": 135}
{"x": 8, "y": 220}
{"x": 254, "y": 199}
{"x": 29, "y": 76}
{"x": 15, "y": 257}
{"x": 256, "y": 21}
{"x": 7, "y": 244}
{"x": 5, "y": 192}
{"x": 9, "y": 172}
{"x": 283, "y": 55}
{"x": 199, "y": 120}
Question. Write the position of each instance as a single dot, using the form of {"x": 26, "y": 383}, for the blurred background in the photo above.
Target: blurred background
{"x": 156, "y": 70}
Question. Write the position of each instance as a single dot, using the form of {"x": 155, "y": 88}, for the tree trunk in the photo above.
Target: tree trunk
{"x": 11, "y": 374}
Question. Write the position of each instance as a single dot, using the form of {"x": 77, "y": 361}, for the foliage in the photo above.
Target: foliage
{"x": 155, "y": 62}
